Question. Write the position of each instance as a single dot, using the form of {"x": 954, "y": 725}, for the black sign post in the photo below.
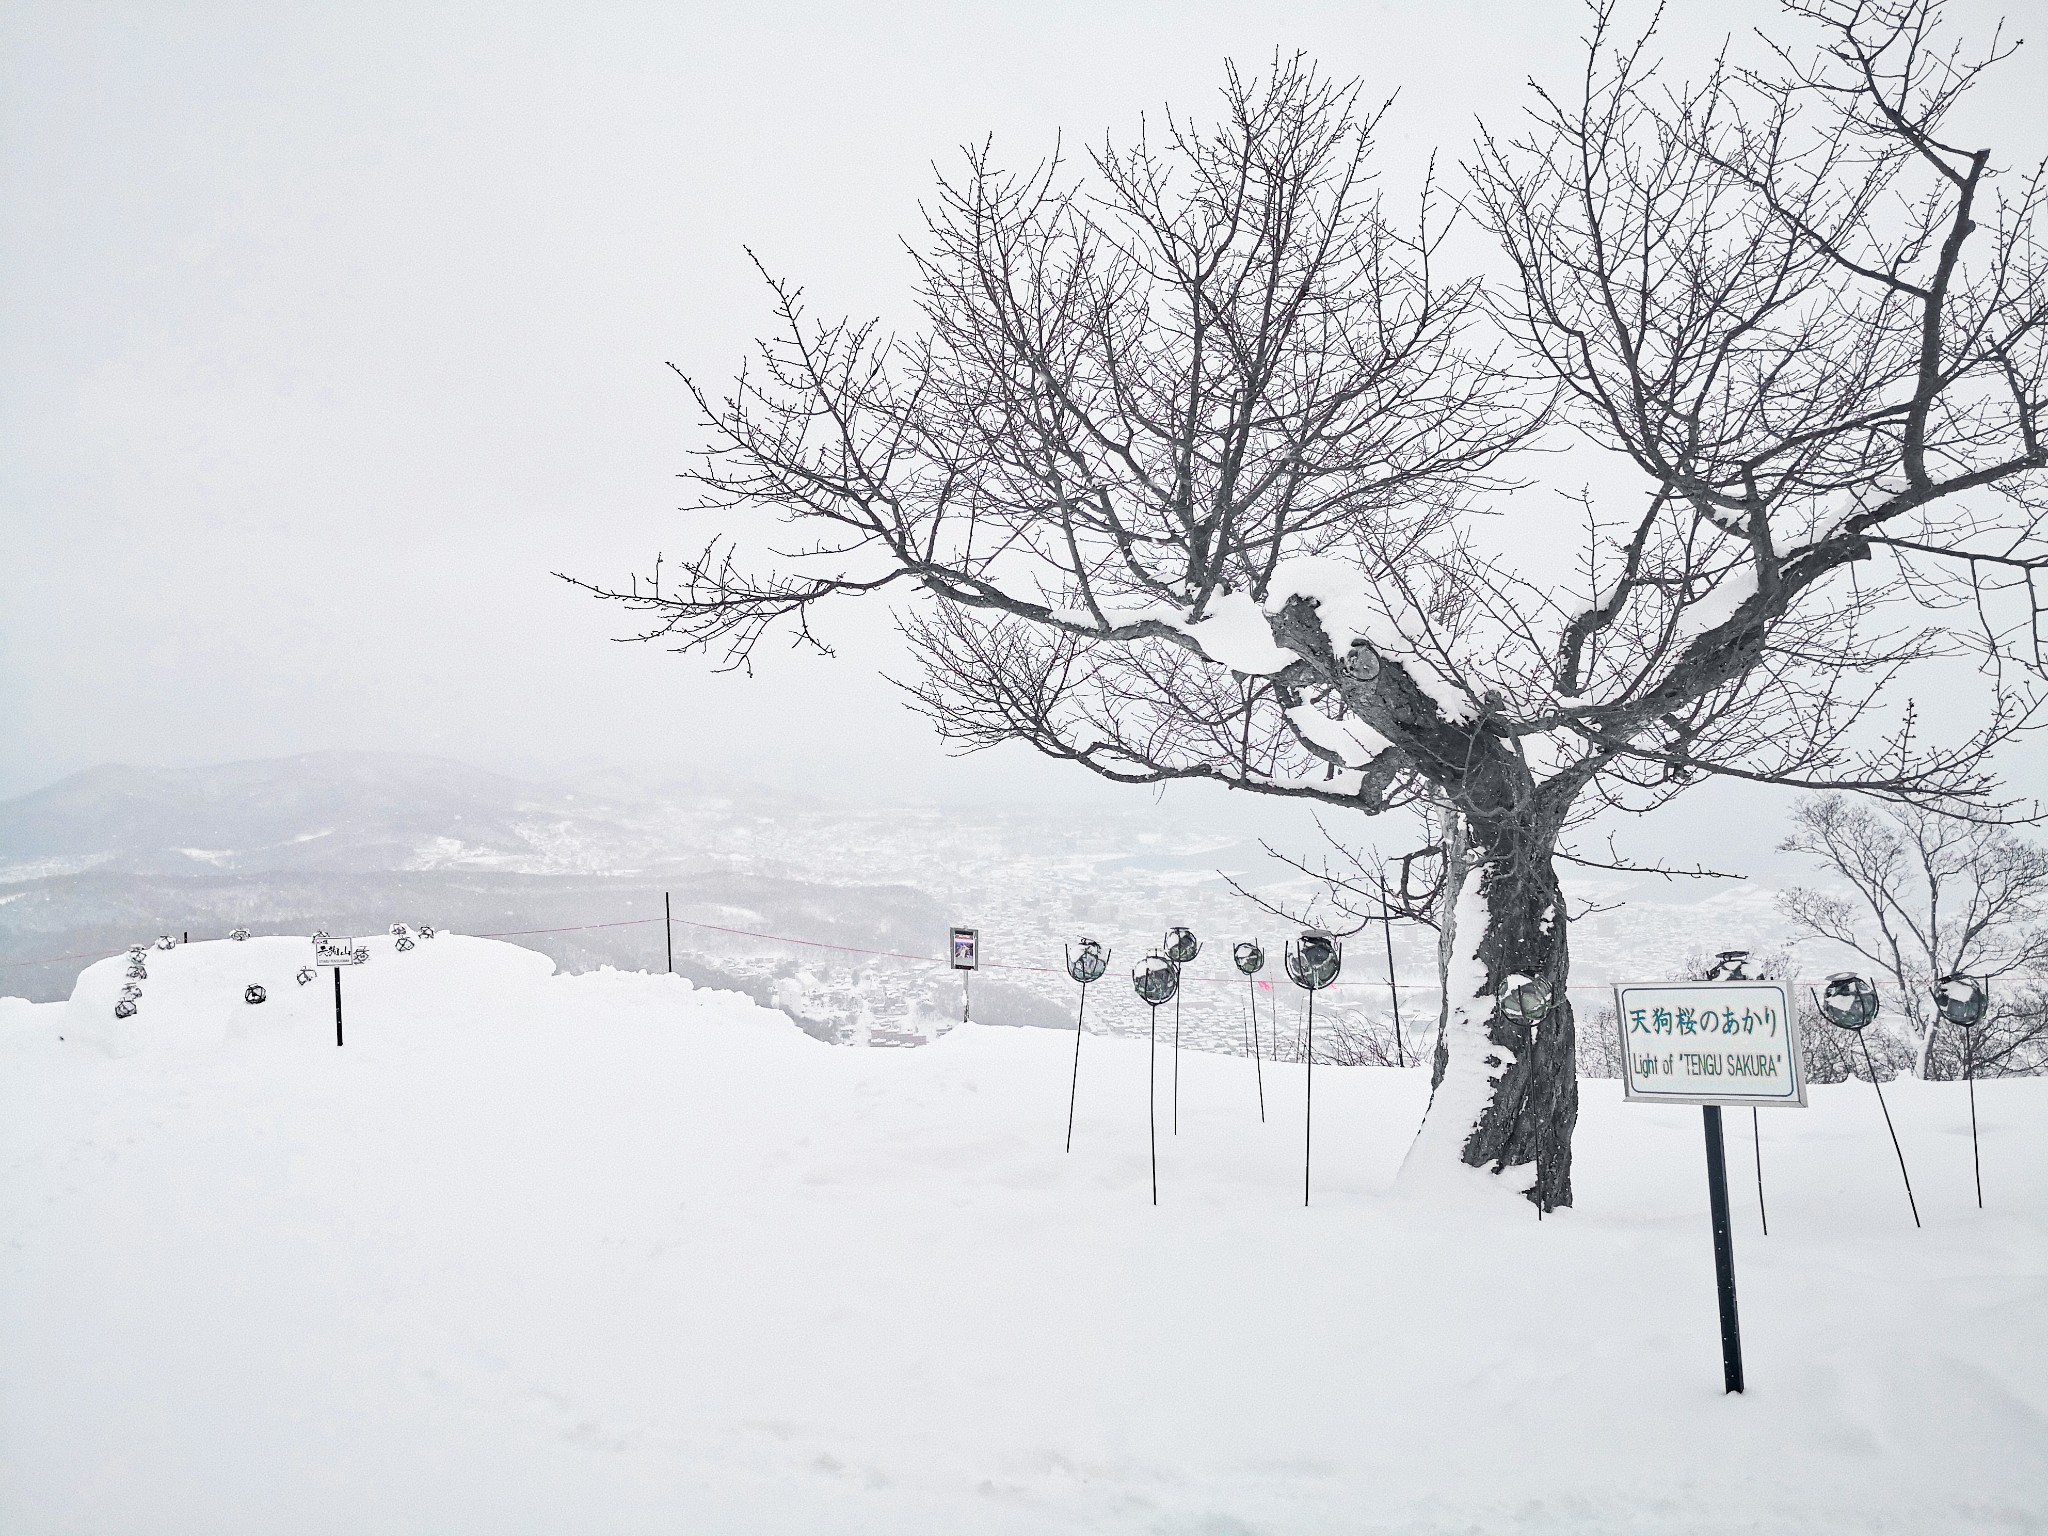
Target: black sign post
{"x": 1724, "y": 1250}
{"x": 964, "y": 945}
{"x": 1713, "y": 1043}
{"x": 347, "y": 952}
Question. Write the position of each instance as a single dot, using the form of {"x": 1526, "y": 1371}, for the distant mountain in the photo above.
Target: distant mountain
{"x": 332, "y": 811}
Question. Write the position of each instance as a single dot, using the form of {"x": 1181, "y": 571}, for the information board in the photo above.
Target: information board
{"x": 966, "y": 941}
{"x": 1710, "y": 1042}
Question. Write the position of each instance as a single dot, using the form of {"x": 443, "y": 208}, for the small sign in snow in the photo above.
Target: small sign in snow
{"x": 966, "y": 942}
{"x": 338, "y": 952}
{"x": 1710, "y": 1042}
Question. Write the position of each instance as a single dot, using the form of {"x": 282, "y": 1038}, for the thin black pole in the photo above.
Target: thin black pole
{"x": 1888, "y": 1126}
{"x": 1535, "y": 1188}
{"x": 1393, "y": 983}
{"x": 1724, "y": 1251}
{"x": 1074, "y": 1091}
{"x": 1308, "y": 1101}
{"x": 1152, "y": 1101}
{"x": 668, "y": 928}
{"x": 1176, "y": 1063}
{"x": 1756, "y": 1135}
{"x": 1970, "y": 1072}
{"x": 1260, "y": 1069}
{"x": 337, "y": 1005}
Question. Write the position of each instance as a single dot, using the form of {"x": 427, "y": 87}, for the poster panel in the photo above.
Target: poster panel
{"x": 966, "y": 943}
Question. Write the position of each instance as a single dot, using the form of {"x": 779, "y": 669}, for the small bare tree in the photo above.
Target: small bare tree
{"x": 1930, "y": 896}
{"x": 1181, "y": 470}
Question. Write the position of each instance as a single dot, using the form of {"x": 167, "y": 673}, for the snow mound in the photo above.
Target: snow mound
{"x": 195, "y": 996}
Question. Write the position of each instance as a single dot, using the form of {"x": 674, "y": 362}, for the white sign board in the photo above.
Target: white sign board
{"x": 338, "y": 952}
{"x": 1710, "y": 1042}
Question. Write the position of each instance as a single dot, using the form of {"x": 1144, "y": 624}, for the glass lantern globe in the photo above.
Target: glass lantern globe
{"x": 1156, "y": 980}
{"x": 1089, "y": 964}
{"x": 1524, "y": 1000}
{"x": 1314, "y": 960}
{"x": 1961, "y": 1000}
{"x": 1849, "y": 1000}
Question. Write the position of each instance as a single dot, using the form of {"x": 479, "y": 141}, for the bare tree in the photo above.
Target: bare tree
{"x": 1183, "y": 465}
{"x": 1930, "y": 896}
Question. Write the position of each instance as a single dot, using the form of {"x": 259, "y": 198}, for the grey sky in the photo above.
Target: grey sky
{"x": 327, "y": 332}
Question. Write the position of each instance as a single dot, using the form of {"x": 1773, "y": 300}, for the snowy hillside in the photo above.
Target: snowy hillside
{"x": 605, "y": 1253}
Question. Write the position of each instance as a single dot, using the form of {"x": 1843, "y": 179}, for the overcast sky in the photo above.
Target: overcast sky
{"x": 327, "y": 332}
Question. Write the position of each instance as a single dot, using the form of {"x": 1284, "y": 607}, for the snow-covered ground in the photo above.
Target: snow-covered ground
{"x": 600, "y": 1253}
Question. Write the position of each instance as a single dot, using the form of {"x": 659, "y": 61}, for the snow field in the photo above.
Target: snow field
{"x": 603, "y": 1253}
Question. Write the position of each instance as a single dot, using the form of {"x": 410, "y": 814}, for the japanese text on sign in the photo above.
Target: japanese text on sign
{"x": 1710, "y": 1042}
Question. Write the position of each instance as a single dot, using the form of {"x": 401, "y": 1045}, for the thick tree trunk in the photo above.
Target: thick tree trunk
{"x": 1504, "y": 1095}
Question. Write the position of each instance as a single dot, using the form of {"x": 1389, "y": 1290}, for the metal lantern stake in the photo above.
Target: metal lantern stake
{"x": 1251, "y": 960}
{"x": 1180, "y": 947}
{"x": 1849, "y": 1001}
{"x": 1312, "y": 964}
{"x": 1963, "y": 1001}
{"x": 1393, "y": 981}
{"x": 1525, "y": 1001}
{"x": 1156, "y": 981}
{"x": 1733, "y": 965}
{"x": 1086, "y": 968}
{"x": 1730, "y": 965}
